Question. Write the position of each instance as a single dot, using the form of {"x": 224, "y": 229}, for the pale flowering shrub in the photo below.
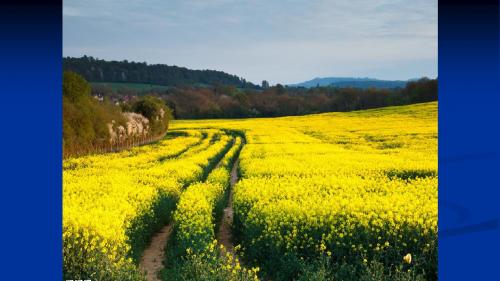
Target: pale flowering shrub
{"x": 136, "y": 126}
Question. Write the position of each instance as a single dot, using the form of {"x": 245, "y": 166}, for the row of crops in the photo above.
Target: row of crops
{"x": 114, "y": 203}
{"x": 193, "y": 251}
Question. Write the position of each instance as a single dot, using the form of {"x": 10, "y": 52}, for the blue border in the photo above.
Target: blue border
{"x": 31, "y": 204}
{"x": 469, "y": 188}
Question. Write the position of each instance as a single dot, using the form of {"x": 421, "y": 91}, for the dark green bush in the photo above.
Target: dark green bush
{"x": 155, "y": 110}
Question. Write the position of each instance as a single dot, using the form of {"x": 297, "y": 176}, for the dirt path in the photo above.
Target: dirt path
{"x": 224, "y": 236}
{"x": 152, "y": 258}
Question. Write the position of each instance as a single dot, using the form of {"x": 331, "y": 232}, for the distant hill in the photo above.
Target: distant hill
{"x": 344, "y": 82}
{"x": 97, "y": 70}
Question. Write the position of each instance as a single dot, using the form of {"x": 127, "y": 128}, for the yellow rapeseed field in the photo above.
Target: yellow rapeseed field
{"x": 359, "y": 186}
{"x": 355, "y": 187}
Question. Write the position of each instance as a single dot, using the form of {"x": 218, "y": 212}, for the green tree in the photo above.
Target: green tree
{"x": 155, "y": 110}
{"x": 85, "y": 119}
{"x": 75, "y": 88}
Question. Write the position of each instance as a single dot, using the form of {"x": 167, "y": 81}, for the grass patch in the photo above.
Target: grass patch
{"x": 410, "y": 174}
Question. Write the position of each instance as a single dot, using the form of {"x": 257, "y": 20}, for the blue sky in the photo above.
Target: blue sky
{"x": 280, "y": 41}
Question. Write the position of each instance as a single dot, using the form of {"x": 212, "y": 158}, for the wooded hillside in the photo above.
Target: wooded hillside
{"x": 97, "y": 70}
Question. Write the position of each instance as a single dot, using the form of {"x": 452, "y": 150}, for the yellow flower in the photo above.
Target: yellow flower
{"x": 407, "y": 258}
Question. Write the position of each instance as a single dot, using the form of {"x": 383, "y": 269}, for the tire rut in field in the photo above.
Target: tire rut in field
{"x": 224, "y": 236}
{"x": 220, "y": 162}
{"x": 152, "y": 259}
{"x": 182, "y": 152}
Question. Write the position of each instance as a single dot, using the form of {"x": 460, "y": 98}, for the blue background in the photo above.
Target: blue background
{"x": 469, "y": 124}
{"x": 30, "y": 142}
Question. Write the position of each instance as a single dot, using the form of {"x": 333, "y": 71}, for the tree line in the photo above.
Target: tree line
{"x": 98, "y": 70}
{"x": 227, "y": 101}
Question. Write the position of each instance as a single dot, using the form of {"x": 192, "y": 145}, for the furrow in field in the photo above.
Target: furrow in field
{"x": 152, "y": 261}
{"x": 224, "y": 235}
{"x": 185, "y": 150}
